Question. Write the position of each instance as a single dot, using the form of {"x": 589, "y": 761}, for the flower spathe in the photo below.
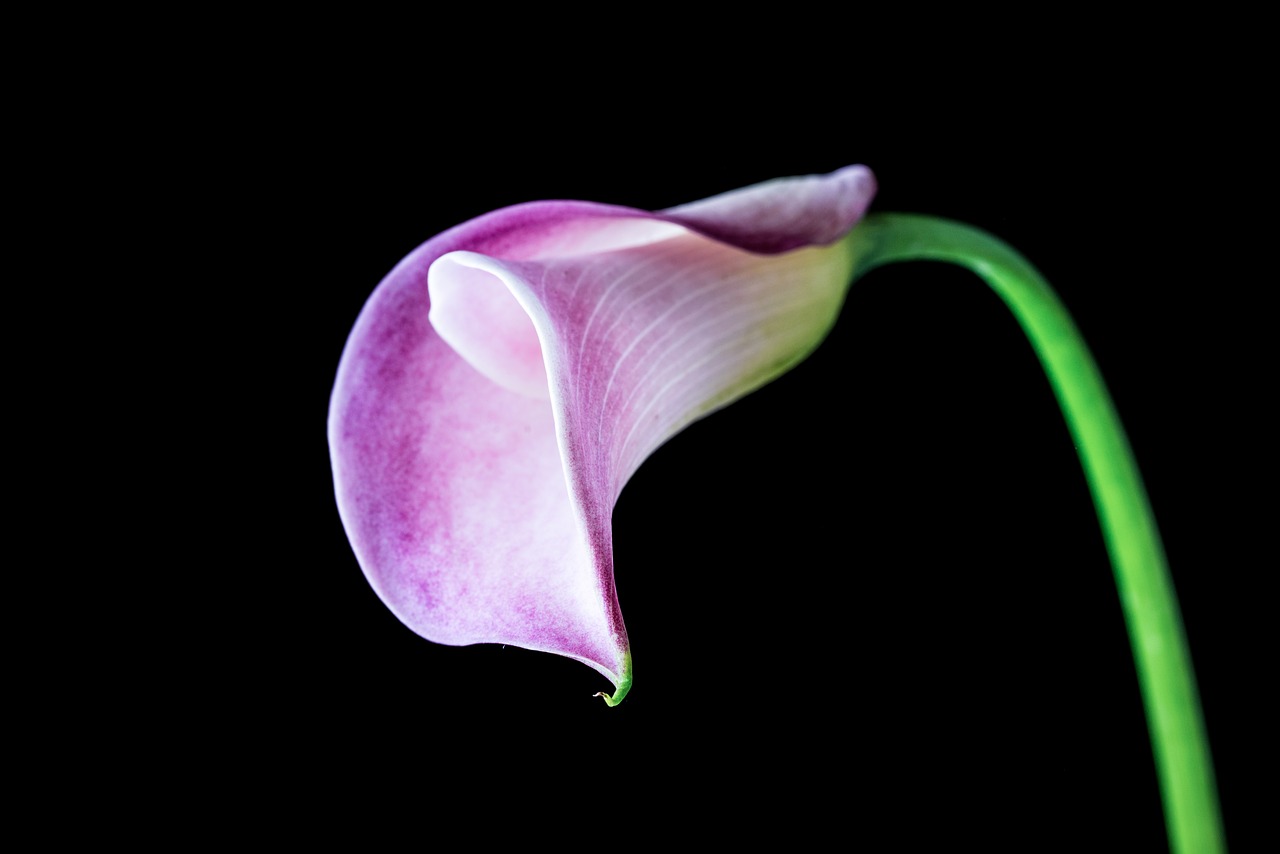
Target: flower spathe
{"x": 507, "y": 378}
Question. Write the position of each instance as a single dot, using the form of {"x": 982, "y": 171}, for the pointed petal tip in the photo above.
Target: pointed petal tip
{"x": 623, "y": 685}
{"x": 610, "y": 700}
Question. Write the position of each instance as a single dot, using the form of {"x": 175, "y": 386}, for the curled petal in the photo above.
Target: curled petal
{"x": 510, "y": 375}
{"x": 785, "y": 213}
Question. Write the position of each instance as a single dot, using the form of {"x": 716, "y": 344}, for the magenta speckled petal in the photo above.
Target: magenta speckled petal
{"x": 507, "y": 378}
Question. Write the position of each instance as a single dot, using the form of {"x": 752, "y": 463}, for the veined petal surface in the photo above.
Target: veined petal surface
{"x": 508, "y": 377}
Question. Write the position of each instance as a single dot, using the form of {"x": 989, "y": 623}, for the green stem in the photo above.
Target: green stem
{"x": 1167, "y": 682}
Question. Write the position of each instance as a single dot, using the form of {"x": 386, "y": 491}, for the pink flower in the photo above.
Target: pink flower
{"x": 508, "y": 377}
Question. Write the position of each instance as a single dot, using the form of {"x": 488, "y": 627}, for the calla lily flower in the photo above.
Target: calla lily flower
{"x": 509, "y": 376}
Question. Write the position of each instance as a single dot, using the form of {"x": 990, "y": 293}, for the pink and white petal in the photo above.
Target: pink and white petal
{"x": 453, "y": 495}
{"x": 785, "y": 213}
{"x": 477, "y": 484}
{"x": 641, "y": 342}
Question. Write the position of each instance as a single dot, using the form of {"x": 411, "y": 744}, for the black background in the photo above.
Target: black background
{"x": 872, "y": 594}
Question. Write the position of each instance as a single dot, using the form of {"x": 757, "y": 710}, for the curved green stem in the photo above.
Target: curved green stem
{"x": 1150, "y": 605}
